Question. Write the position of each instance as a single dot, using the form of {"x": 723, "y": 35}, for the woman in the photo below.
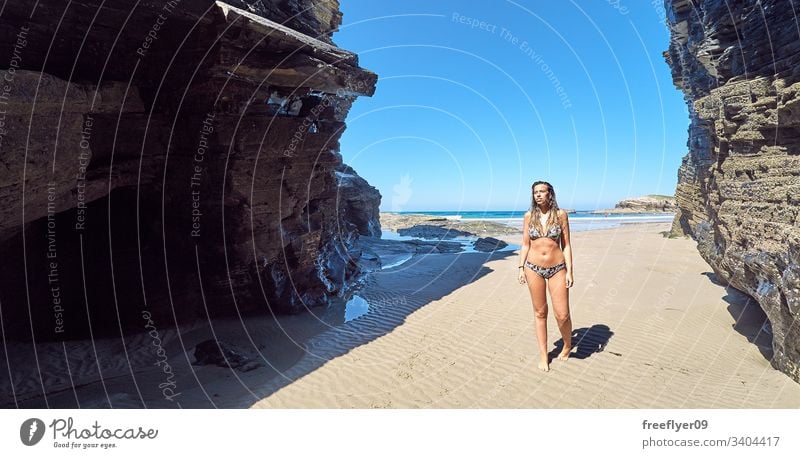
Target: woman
{"x": 546, "y": 260}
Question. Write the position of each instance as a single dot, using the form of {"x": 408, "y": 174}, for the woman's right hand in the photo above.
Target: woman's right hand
{"x": 521, "y": 276}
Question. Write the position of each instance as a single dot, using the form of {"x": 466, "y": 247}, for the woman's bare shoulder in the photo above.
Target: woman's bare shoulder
{"x": 561, "y": 213}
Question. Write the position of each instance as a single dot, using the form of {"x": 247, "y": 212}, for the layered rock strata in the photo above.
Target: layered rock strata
{"x": 738, "y": 64}
{"x": 174, "y": 157}
{"x": 644, "y": 204}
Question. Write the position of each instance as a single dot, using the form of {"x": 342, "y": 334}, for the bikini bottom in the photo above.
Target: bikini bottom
{"x": 545, "y": 272}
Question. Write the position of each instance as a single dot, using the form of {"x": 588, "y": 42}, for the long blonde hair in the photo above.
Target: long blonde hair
{"x": 552, "y": 217}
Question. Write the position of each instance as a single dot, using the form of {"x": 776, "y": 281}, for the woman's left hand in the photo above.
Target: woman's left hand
{"x": 570, "y": 280}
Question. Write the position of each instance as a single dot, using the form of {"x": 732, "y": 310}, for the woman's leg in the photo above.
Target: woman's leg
{"x": 559, "y": 294}
{"x": 536, "y": 286}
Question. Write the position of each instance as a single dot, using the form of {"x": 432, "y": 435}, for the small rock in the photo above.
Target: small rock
{"x": 425, "y": 247}
{"x": 487, "y": 244}
{"x": 223, "y": 355}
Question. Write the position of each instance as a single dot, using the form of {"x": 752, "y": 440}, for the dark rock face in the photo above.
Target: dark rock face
{"x": 487, "y": 244}
{"x": 738, "y": 188}
{"x": 438, "y": 246}
{"x": 179, "y": 157}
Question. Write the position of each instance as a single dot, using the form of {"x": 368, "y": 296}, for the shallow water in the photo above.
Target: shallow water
{"x": 581, "y": 223}
{"x": 393, "y": 260}
{"x": 466, "y": 242}
{"x": 355, "y": 307}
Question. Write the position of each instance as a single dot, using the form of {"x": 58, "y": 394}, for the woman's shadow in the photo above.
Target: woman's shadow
{"x": 585, "y": 342}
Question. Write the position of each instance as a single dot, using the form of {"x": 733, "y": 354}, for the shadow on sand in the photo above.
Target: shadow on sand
{"x": 750, "y": 319}
{"x": 287, "y": 347}
{"x": 585, "y": 342}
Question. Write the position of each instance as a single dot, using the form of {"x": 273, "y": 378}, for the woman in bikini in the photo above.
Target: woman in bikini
{"x": 546, "y": 260}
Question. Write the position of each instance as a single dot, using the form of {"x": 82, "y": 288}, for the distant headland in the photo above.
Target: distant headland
{"x": 652, "y": 203}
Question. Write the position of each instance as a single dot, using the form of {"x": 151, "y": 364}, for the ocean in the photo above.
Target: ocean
{"x": 578, "y": 221}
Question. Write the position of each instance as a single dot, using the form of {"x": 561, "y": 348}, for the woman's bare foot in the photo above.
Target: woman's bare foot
{"x": 544, "y": 365}
{"x": 564, "y": 355}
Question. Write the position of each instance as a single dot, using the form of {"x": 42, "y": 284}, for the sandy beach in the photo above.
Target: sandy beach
{"x": 654, "y": 331}
{"x": 454, "y": 330}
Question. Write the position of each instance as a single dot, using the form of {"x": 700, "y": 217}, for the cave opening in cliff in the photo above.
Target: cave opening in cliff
{"x": 66, "y": 280}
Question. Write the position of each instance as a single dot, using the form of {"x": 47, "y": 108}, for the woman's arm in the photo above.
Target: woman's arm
{"x": 566, "y": 246}
{"x": 526, "y": 246}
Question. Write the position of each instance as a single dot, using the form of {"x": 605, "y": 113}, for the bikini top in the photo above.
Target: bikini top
{"x": 554, "y": 233}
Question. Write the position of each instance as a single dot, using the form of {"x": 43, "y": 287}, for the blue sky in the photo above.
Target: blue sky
{"x": 476, "y": 99}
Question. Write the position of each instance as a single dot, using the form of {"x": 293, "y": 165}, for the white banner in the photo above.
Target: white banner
{"x": 399, "y": 433}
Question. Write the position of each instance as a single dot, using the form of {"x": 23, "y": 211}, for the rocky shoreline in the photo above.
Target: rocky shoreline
{"x": 436, "y": 225}
{"x": 432, "y": 235}
{"x": 645, "y": 204}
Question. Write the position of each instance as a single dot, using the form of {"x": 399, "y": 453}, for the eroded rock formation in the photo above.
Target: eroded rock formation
{"x": 427, "y": 226}
{"x": 738, "y": 64}
{"x": 175, "y": 157}
{"x": 645, "y": 204}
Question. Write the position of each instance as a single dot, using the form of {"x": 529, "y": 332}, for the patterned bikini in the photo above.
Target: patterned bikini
{"x": 546, "y": 272}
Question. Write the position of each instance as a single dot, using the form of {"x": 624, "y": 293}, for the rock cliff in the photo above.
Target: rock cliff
{"x": 176, "y": 157}
{"x": 738, "y": 64}
{"x": 645, "y": 204}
